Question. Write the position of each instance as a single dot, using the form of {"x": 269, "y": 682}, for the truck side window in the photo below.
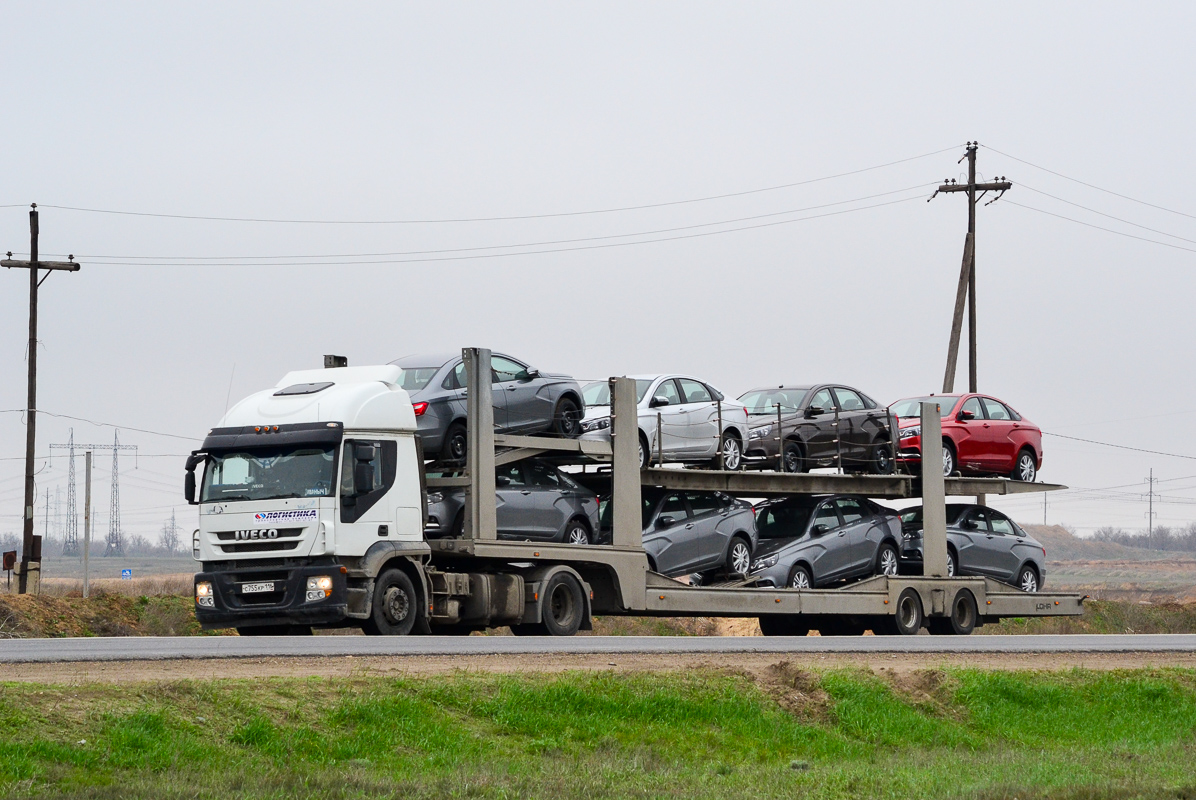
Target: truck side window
{"x": 367, "y": 473}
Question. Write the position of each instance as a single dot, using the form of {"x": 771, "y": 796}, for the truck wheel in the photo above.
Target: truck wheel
{"x": 907, "y": 618}
{"x": 962, "y": 620}
{"x": 783, "y": 625}
{"x": 395, "y": 607}
{"x": 563, "y": 606}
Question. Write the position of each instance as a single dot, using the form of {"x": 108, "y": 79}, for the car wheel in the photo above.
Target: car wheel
{"x": 886, "y": 560}
{"x": 577, "y": 533}
{"x": 739, "y": 557}
{"x": 1027, "y": 579}
{"x": 459, "y": 524}
{"x": 566, "y": 420}
{"x": 732, "y": 452}
{"x": 949, "y": 463}
{"x": 395, "y": 605}
{"x": 564, "y": 605}
{"x": 1024, "y": 468}
{"x": 456, "y": 444}
{"x": 794, "y": 460}
{"x": 645, "y": 452}
{"x": 799, "y": 578}
{"x": 951, "y": 565}
{"x": 882, "y": 458}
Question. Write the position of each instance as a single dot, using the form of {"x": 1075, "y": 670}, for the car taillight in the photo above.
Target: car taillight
{"x": 419, "y": 408}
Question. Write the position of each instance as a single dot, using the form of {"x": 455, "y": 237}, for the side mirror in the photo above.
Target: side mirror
{"x": 658, "y": 401}
{"x": 531, "y": 374}
{"x": 189, "y": 487}
{"x": 665, "y": 522}
{"x": 965, "y": 415}
{"x": 969, "y": 525}
{"x": 364, "y": 452}
{"x": 818, "y": 530}
{"x": 363, "y": 477}
{"x": 502, "y": 480}
{"x": 814, "y": 411}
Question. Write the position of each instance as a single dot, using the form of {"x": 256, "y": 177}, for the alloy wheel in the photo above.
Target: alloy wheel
{"x": 800, "y": 580}
{"x": 1025, "y": 468}
{"x": 1029, "y": 581}
{"x": 741, "y": 558}
{"x": 888, "y": 561}
{"x": 948, "y": 461}
{"x": 950, "y": 565}
{"x": 731, "y": 453}
{"x": 577, "y": 535}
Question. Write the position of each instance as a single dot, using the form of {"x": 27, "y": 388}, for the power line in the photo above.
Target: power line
{"x": 1101, "y": 228}
{"x": 1109, "y": 216}
{"x": 1119, "y": 446}
{"x": 309, "y": 259}
{"x": 500, "y": 218}
{"x": 105, "y": 424}
{"x": 1093, "y": 186}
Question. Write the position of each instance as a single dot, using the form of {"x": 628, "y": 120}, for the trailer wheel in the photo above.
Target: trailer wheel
{"x": 784, "y": 625}
{"x": 395, "y": 606}
{"x": 563, "y": 606}
{"x": 907, "y": 618}
{"x": 962, "y": 620}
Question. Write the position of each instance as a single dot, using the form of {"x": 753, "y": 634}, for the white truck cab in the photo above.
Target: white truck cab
{"x": 301, "y": 483}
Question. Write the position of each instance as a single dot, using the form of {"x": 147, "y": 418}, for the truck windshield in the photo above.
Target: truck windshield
{"x": 270, "y": 473}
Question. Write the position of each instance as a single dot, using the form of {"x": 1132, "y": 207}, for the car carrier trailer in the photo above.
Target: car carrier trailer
{"x": 402, "y": 583}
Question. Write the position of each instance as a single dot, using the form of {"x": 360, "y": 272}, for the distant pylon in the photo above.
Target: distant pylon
{"x": 70, "y": 537}
{"x": 116, "y": 542}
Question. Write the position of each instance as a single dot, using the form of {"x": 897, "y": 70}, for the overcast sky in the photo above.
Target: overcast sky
{"x": 394, "y": 112}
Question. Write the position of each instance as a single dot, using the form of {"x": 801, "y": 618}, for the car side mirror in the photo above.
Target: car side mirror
{"x": 814, "y": 411}
{"x": 658, "y": 401}
{"x": 531, "y": 374}
{"x": 665, "y": 522}
{"x": 502, "y": 480}
{"x": 965, "y": 415}
{"x": 818, "y": 530}
{"x": 970, "y": 525}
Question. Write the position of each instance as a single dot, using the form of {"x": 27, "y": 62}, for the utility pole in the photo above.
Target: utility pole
{"x": 31, "y": 550}
{"x": 87, "y": 524}
{"x": 967, "y": 273}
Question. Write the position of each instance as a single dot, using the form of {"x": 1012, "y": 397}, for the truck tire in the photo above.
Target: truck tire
{"x": 395, "y": 606}
{"x": 907, "y": 617}
{"x": 564, "y": 605}
{"x": 962, "y": 620}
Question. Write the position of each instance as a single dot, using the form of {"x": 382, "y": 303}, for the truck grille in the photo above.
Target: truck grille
{"x": 259, "y": 546}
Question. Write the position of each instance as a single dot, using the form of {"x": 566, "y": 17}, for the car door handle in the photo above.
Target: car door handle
{"x": 525, "y": 491}
{"x": 512, "y": 388}
{"x": 690, "y": 525}
{"x": 844, "y": 533}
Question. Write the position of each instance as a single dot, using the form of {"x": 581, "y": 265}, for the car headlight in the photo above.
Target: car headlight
{"x": 435, "y": 497}
{"x": 759, "y": 433}
{"x": 319, "y": 587}
{"x": 909, "y": 433}
{"x": 766, "y": 562}
{"x": 204, "y": 596}
{"x": 596, "y": 424}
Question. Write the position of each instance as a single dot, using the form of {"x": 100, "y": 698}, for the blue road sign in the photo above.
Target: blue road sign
{"x": 126, "y": 574}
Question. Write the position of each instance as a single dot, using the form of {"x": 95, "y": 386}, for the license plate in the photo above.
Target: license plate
{"x": 252, "y": 588}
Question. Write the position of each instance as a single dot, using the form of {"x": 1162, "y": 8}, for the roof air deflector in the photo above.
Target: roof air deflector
{"x": 303, "y": 388}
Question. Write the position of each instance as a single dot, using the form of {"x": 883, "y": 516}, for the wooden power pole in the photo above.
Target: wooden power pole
{"x": 30, "y": 544}
{"x": 967, "y": 273}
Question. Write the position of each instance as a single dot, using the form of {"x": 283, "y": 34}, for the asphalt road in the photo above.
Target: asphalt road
{"x": 135, "y": 648}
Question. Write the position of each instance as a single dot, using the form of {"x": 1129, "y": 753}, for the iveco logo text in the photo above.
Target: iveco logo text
{"x": 279, "y": 516}
{"x": 260, "y": 533}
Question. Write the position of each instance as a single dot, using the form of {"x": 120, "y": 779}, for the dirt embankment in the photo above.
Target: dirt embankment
{"x": 100, "y": 615}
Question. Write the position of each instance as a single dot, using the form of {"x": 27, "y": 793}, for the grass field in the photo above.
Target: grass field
{"x": 791, "y": 733}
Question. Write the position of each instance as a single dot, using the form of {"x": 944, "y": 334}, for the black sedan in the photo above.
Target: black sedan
{"x": 811, "y": 541}
{"x": 980, "y": 541}
{"x": 820, "y": 425}
{"x": 526, "y": 401}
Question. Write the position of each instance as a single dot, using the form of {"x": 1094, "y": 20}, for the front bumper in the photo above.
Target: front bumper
{"x": 287, "y": 605}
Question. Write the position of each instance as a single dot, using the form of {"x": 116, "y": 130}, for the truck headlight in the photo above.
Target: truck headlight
{"x": 759, "y": 433}
{"x": 319, "y": 587}
{"x": 204, "y": 596}
{"x": 909, "y": 433}
{"x": 766, "y": 562}
{"x": 596, "y": 424}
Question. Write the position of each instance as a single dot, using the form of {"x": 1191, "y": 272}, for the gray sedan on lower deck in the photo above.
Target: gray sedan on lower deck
{"x": 980, "y": 541}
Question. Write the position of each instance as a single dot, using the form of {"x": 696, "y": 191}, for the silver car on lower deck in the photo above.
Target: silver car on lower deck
{"x": 535, "y": 502}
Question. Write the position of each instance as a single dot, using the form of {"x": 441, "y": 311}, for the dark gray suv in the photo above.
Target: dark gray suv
{"x": 526, "y": 401}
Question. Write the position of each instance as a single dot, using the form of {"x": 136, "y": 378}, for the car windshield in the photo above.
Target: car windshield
{"x": 785, "y": 520}
{"x": 913, "y": 406}
{"x": 415, "y": 378}
{"x": 765, "y": 401}
{"x": 598, "y": 392}
{"x": 270, "y": 473}
{"x": 913, "y": 516}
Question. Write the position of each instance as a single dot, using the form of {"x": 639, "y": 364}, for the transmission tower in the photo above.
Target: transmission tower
{"x": 115, "y": 545}
{"x": 70, "y": 536}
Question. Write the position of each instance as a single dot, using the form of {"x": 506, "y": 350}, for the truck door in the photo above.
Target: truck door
{"x": 368, "y": 468}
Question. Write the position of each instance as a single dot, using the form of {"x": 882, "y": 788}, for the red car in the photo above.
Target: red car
{"x": 981, "y": 436}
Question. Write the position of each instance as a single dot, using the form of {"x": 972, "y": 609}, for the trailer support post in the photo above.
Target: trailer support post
{"x": 481, "y": 513}
{"x": 934, "y": 498}
{"x": 626, "y": 519}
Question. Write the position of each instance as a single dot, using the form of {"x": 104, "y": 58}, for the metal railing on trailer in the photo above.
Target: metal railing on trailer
{"x": 617, "y": 575}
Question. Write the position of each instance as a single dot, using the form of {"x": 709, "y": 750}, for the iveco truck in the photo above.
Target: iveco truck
{"x": 312, "y": 498}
